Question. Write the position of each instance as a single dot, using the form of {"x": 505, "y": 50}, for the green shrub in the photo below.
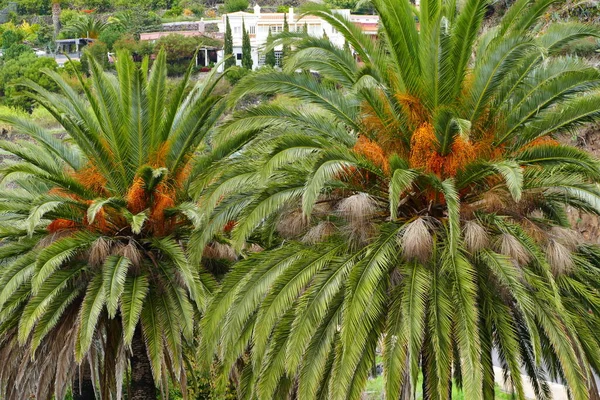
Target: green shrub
{"x": 236, "y": 5}
{"x": 137, "y": 48}
{"x": 71, "y": 67}
{"x": 234, "y": 74}
{"x": 195, "y": 6}
{"x": 173, "y": 12}
{"x": 136, "y": 20}
{"x": 26, "y": 66}
{"x": 41, "y": 7}
{"x": 99, "y": 51}
{"x": 111, "y": 34}
{"x": 179, "y": 50}
{"x": 67, "y": 15}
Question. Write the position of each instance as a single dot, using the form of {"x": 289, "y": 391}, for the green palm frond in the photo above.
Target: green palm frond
{"x": 432, "y": 164}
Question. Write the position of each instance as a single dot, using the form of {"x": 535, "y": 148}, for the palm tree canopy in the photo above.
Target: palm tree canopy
{"x": 425, "y": 200}
{"x": 85, "y": 26}
{"x": 94, "y": 227}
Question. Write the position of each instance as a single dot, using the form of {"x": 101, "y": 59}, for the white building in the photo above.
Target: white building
{"x": 258, "y": 24}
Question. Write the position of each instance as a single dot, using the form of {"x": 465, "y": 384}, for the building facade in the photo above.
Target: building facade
{"x": 258, "y": 24}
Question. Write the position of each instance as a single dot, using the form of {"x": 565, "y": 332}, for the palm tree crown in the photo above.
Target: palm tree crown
{"x": 425, "y": 201}
{"x": 94, "y": 231}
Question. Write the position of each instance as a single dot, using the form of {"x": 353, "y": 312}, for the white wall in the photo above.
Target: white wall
{"x": 258, "y": 29}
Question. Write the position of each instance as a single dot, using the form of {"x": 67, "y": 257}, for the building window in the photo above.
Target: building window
{"x": 278, "y": 57}
{"x": 237, "y": 30}
{"x": 252, "y": 29}
{"x": 238, "y": 56}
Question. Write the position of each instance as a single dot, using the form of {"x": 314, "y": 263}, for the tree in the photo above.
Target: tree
{"x": 99, "y": 51}
{"x": 228, "y": 46}
{"x": 24, "y": 66}
{"x": 246, "y": 49}
{"x": 136, "y": 20}
{"x": 179, "y": 50}
{"x": 417, "y": 205}
{"x": 95, "y": 232}
{"x": 285, "y": 51}
{"x": 56, "y": 17}
{"x": 232, "y": 6}
{"x": 85, "y": 26}
{"x": 270, "y": 59}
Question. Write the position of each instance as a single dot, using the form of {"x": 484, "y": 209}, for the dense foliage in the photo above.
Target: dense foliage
{"x": 179, "y": 50}
{"x": 23, "y": 66}
{"x": 232, "y": 6}
{"x": 95, "y": 263}
{"x": 415, "y": 201}
{"x": 407, "y": 199}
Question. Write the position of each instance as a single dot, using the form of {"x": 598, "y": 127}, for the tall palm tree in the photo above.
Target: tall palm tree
{"x": 94, "y": 229}
{"x": 415, "y": 202}
{"x": 56, "y": 17}
{"x": 85, "y": 26}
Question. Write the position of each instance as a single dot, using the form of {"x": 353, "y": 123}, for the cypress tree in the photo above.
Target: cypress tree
{"x": 305, "y": 27}
{"x": 228, "y": 46}
{"x": 325, "y": 35}
{"x": 246, "y": 49}
{"x": 270, "y": 59}
{"x": 346, "y": 46}
{"x": 286, "y": 47}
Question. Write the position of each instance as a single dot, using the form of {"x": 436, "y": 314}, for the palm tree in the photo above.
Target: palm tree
{"x": 94, "y": 229}
{"x": 85, "y": 26}
{"x": 56, "y": 17}
{"x": 414, "y": 201}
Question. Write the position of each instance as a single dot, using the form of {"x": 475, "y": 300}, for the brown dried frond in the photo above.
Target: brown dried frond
{"x": 510, "y": 246}
{"x": 533, "y": 230}
{"x": 416, "y": 241}
{"x": 358, "y": 208}
{"x": 99, "y": 251}
{"x": 319, "y": 232}
{"x": 253, "y": 248}
{"x": 475, "y": 236}
{"x": 131, "y": 252}
{"x": 292, "y": 223}
{"x": 53, "y": 237}
{"x": 559, "y": 257}
{"x": 219, "y": 251}
{"x": 567, "y": 237}
{"x": 359, "y": 234}
{"x": 322, "y": 208}
{"x": 493, "y": 200}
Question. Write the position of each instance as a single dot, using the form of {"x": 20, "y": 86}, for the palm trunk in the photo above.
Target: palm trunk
{"x": 142, "y": 383}
{"x": 56, "y": 17}
{"x": 83, "y": 389}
